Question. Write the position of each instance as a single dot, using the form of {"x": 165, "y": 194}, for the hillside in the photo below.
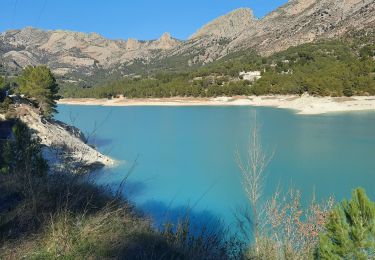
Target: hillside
{"x": 342, "y": 67}
{"x": 88, "y": 59}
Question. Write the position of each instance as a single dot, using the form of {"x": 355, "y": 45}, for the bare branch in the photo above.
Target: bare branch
{"x": 253, "y": 170}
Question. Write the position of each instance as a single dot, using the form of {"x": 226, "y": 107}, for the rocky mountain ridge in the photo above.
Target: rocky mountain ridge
{"x": 229, "y": 25}
{"x": 301, "y": 21}
{"x": 32, "y": 46}
{"x": 297, "y": 22}
{"x": 73, "y": 55}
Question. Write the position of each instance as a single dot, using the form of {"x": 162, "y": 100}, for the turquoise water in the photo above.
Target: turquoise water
{"x": 185, "y": 155}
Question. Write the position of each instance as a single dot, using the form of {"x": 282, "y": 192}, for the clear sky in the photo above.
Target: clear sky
{"x": 122, "y": 19}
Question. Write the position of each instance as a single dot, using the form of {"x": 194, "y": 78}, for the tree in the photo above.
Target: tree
{"x": 350, "y": 230}
{"x": 24, "y": 153}
{"x": 348, "y": 90}
{"x": 253, "y": 173}
{"x": 367, "y": 51}
{"x": 39, "y": 84}
{"x": 2, "y": 89}
{"x": 279, "y": 227}
{"x": 2, "y": 81}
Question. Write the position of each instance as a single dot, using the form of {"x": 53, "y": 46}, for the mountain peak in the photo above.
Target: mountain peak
{"x": 165, "y": 37}
{"x": 166, "y": 42}
{"x": 228, "y": 25}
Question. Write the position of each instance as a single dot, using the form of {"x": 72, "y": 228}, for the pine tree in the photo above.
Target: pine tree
{"x": 24, "y": 153}
{"x": 39, "y": 84}
{"x": 2, "y": 89}
{"x": 2, "y": 82}
{"x": 350, "y": 230}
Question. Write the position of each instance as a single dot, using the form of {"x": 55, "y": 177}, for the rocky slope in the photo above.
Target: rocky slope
{"x": 67, "y": 51}
{"x": 228, "y": 26}
{"x": 302, "y": 21}
{"x": 297, "y": 22}
{"x": 64, "y": 144}
{"x": 76, "y": 56}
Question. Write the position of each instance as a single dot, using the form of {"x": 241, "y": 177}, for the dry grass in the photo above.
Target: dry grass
{"x": 279, "y": 227}
{"x": 68, "y": 217}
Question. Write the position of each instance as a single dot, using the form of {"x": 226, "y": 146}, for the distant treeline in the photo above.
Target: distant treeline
{"x": 342, "y": 67}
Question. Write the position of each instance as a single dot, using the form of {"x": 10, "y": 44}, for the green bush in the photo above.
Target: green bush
{"x": 350, "y": 230}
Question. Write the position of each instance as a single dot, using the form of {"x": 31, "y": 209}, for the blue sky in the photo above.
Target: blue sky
{"x": 122, "y": 19}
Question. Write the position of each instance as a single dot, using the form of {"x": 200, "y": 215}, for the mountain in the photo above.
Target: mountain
{"x": 67, "y": 51}
{"x": 301, "y": 21}
{"x": 76, "y": 56}
{"x": 297, "y": 22}
{"x": 228, "y": 26}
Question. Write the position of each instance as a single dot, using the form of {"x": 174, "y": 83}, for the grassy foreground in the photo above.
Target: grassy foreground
{"x": 64, "y": 216}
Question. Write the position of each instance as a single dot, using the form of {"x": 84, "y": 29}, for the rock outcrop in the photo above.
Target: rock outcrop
{"x": 64, "y": 144}
{"x": 165, "y": 42}
{"x": 229, "y": 25}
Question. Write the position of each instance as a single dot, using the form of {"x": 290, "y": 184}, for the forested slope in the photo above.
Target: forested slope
{"x": 338, "y": 67}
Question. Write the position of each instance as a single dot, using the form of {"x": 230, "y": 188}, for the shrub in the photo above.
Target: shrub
{"x": 350, "y": 230}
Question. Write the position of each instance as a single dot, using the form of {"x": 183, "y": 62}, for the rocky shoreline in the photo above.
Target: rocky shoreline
{"x": 65, "y": 145}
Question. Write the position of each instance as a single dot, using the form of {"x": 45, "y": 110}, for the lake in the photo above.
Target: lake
{"x": 185, "y": 156}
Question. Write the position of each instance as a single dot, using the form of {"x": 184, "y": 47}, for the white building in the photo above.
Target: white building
{"x": 250, "y": 75}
